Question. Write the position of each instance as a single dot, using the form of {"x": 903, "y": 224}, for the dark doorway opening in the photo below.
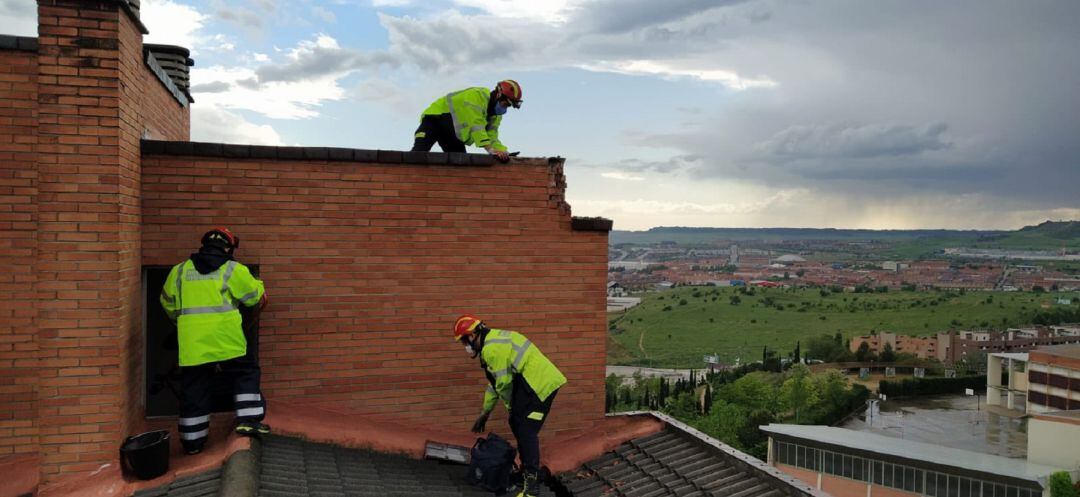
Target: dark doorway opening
{"x": 162, "y": 372}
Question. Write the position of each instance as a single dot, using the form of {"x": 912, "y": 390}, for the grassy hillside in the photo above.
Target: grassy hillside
{"x": 703, "y": 320}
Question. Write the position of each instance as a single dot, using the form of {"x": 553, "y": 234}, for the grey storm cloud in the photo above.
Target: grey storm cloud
{"x": 437, "y": 44}
{"x": 894, "y": 98}
{"x": 891, "y": 97}
{"x": 671, "y": 165}
{"x": 620, "y": 16}
{"x": 322, "y": 61}
{"x": 865, "y": 141}
{"x": 242, "y": 16}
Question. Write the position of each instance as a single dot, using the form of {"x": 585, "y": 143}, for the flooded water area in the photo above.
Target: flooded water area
{"x": 961, "y": 422}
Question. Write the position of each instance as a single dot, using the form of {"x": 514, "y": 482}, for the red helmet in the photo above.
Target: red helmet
{"x": 222, "y": 234}
{"x": 465, "y": 326}
{"x": 511, "y": 90}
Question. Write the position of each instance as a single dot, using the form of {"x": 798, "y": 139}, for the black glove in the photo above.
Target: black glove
{"x": 481, "y": 421}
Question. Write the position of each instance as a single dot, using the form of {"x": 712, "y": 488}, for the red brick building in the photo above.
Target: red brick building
{"x": 367, "y": 255}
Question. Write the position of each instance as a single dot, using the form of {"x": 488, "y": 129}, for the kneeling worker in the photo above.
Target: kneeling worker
{"x": 468, "y": 117}
{"x": 525, "y": 380}
{"x": 203, "y": 295}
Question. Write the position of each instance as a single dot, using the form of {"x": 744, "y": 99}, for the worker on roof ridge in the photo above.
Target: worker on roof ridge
{"x": 526, "y": 381}
{"x": 468, "y": 117}
{"x": 203, "y": 295}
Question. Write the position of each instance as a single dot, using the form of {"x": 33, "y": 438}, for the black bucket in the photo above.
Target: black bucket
{"x": 145, "y": 456}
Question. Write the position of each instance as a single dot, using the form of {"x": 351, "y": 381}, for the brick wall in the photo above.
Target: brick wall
{"x": 95, "y": 100}
{"x": 78, "y": 237}
{"x": 367, "y": 264}
{"x": 18, "y": 235}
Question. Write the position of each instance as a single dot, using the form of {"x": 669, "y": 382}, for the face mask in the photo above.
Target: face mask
{"x": 500, "y": 109}
{"x": 469, "y": 350}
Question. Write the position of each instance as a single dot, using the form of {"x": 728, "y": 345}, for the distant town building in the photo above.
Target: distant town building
{"x": 954, "y": 346}
{"x": 850, "y": 463}
{"x": 1046, "y": 379}
{"x": 789, "y": 258}
{"x": 1007, "y": 380}
{"x": 614, "y": 289}
{"x": 921, "y": 347}
{"x": 1053, "y": 438}
{"x": 1054, "y": 378}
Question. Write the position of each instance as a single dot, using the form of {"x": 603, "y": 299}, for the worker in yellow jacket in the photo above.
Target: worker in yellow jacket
{"x": 203, "y": 295}
{"x": 468, "y": 117}
{"x": 525, "y": 380}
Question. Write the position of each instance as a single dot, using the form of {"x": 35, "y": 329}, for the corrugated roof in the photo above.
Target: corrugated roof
{"x": 917, "y": 451}
{"x": 674, "y": 462}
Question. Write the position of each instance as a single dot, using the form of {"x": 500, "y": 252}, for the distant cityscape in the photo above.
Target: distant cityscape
{"x": 664, "y": 265}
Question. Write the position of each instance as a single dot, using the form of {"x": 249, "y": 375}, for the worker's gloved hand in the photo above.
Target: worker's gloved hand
{"x": 502, "y": 155}
{"x": 481, "y": 422}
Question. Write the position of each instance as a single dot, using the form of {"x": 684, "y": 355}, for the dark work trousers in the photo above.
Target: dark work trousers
{"x": 523, "y": 403}
{"x": 195, "y": 392}
{"x": 437, "y": 128}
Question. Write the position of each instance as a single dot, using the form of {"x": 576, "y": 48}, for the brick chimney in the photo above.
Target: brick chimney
{"x": 89, "y": 61}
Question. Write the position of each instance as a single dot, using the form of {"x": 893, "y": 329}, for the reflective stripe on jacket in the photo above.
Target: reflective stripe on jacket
{"x": 468, "y": 109}
{"x": 205, "y": 308}
{"x": 508, "y": 353}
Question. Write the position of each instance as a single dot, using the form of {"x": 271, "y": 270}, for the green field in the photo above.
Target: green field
{"x": 702, "y": 320}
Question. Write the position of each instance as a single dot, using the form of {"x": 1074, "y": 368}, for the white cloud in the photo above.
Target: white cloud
{"x": 278, "y": 100}
{"x": 325, "y": 15}
{"x": 261, "y": 57}
{"x": 730, "y": 79}
{"x": 217, "y": 125}
{"x": 173, "y": 23}
{"x": 543, "y": 10}
{"x": 18, "y": 17}
{"x": 622, "y": 176}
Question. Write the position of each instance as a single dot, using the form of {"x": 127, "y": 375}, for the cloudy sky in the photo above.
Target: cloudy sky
{"x": 737, "y": 113}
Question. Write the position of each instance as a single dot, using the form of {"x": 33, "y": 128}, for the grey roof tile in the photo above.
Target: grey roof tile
{"x": 670, "y": 463}
{"x": 295, "y": 468}
{"x": 200, "y": 485}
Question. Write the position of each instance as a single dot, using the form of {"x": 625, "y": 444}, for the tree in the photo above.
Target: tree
{"x": 799, "y": 391}
{"x": 796, "y": 354}
{"x": 1061, "y": 485}
{"x": 827, "y": 348}
{"x": 735, "y": 300}
{"x": 887, "y": 354}
{"x": 864, "y": 353}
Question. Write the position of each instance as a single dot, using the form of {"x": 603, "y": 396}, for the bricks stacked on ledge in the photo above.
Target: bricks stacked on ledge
{"x": 234, "y": 151}
{"x": 231, "y": 151}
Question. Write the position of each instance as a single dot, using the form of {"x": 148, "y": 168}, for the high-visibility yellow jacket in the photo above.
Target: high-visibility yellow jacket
{"x": 508, "y": 353}
{"x": 468, "y": 110}
{"x": 205, "y": 309}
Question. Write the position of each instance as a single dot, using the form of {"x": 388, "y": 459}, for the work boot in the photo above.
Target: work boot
{"x": 252, "y": 428}
{"x": 530, "y": 485}
{"x": 192, "y": 448}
